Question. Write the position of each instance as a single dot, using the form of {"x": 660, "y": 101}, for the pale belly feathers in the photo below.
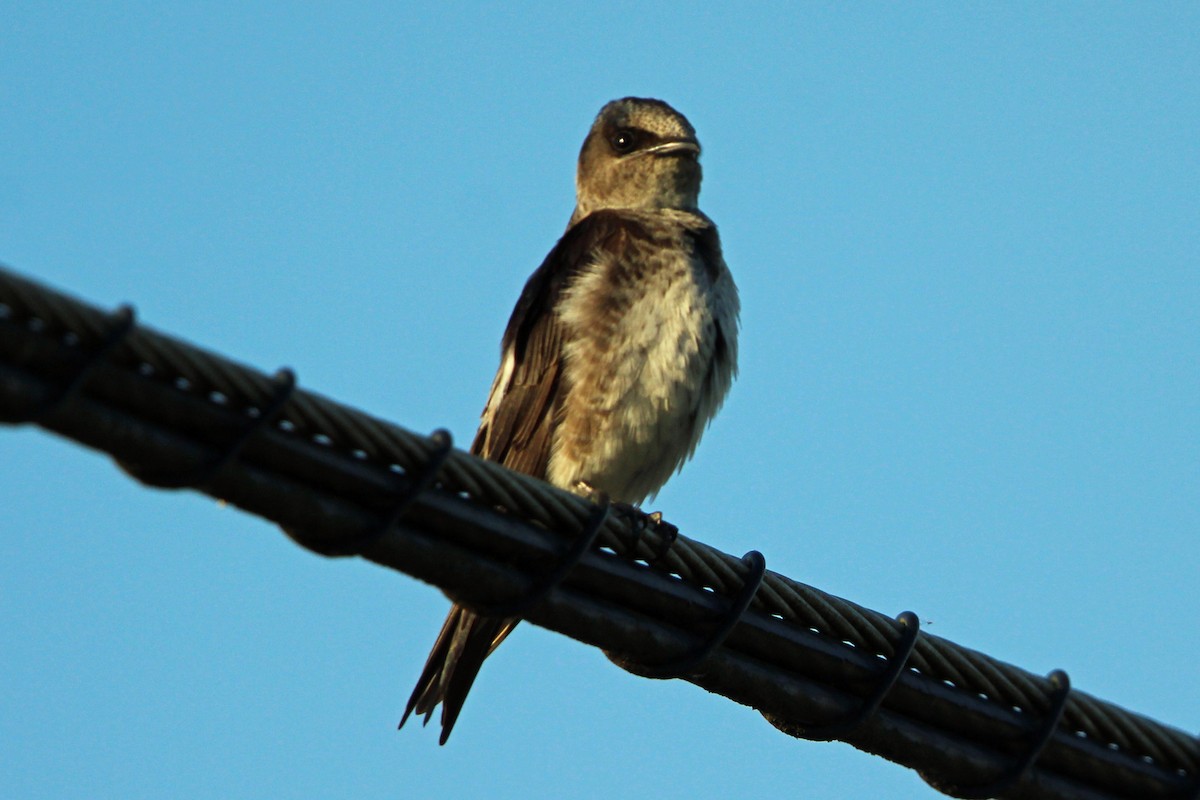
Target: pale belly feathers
{"x": 646, "y": 373}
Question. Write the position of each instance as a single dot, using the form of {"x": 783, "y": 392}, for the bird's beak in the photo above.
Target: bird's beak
{"x": 674, "y": 147}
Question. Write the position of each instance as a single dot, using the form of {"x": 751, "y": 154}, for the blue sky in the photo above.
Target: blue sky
{"x": 966, "y": 241}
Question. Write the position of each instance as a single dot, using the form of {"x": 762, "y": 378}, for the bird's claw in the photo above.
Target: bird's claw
{"x": 641, "y": 522}
{"x": 589, "y": 492}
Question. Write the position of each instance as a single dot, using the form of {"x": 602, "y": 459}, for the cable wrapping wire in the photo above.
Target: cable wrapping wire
{"x": 148, "y": 381}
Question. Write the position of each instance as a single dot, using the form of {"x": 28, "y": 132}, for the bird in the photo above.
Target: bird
{"x": 620, "y": 350}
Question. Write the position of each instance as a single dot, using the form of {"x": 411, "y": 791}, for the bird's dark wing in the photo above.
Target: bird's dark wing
{"x": 517, "y": 430}
{"x": 523, "y": 410}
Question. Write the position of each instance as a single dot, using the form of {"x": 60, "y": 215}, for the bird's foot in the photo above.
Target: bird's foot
{"x": 590, "y": 493}
{"x": 641, "y": 523}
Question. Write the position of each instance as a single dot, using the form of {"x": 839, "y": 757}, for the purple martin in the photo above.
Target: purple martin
{"x": 619, "y": 352}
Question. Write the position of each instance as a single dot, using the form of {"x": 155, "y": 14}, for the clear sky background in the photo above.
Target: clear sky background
{"x": 966, "y": 241}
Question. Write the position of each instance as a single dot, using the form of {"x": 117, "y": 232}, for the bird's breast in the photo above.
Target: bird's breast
{"x": 647, "y": 363}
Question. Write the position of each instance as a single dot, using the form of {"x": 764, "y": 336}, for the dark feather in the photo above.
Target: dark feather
{"x": 706, "y": 247}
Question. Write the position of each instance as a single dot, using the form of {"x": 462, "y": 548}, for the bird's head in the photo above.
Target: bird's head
{"x": 640, "y": 154}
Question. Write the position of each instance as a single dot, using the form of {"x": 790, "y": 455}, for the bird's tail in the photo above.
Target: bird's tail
{"x": 457, "y": 656}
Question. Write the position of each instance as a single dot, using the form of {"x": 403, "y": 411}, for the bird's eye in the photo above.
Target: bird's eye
{"x": 624, "y": 141}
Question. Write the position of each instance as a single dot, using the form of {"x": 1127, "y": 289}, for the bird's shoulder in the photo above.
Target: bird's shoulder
{"x": 602, "y": 234}
{"x": 614, "y": 236}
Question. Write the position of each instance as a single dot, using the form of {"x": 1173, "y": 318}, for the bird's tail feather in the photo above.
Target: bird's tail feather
{"x": 465, "y": 641}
